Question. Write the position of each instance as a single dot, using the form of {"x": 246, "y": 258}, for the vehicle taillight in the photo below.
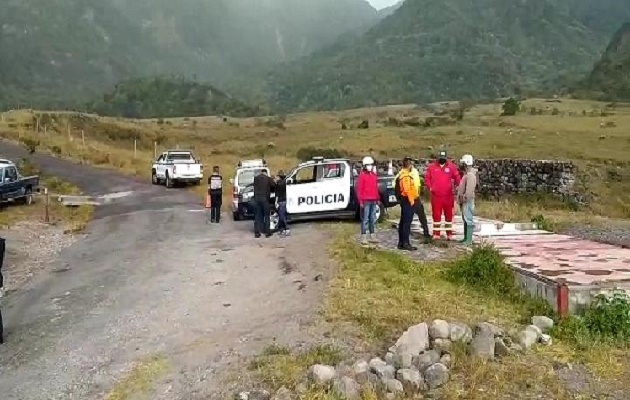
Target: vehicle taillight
{"x": 201, "y": 167}
{"x": 174, "y": 168}
{"x": 235, "y": 192}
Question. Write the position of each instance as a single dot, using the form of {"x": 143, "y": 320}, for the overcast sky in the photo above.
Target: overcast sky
{"x": 378, "y": 4}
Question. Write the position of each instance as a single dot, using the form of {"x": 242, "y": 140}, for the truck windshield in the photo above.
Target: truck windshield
{"x": 246, "y": 176}
{"x": 180, "y": 157}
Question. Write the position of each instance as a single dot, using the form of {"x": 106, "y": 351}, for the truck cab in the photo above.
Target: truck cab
{"x": 243, "y": 178}
{"x": 13, "y": 186}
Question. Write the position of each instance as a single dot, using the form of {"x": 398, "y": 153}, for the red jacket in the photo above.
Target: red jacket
{"x": 439, "y": 180}
{"x": 367, "y": 187}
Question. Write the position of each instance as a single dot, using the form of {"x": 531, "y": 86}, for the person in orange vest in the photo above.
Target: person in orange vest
{"x": 407, "y": 195}
{"x": 439, "y": 179}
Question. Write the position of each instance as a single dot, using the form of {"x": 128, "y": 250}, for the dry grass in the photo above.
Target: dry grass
{"x": 72, "y": 220}
{"x": 575, "y": 133}
{"x": 381, "y": 294}
{"x": 139, "y": 381}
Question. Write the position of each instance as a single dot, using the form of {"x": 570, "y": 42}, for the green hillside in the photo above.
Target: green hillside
{"x": 610, "y": 77}
{"x": 168, "y": 97}
{"x": 63, "y": 52}
{"x": 430, "y": 50}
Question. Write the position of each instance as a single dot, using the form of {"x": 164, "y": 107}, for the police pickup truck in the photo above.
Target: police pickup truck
{"x": 176, "y": 166}
{"x": 325, "y": 188}
{"x": 15, "y": 187}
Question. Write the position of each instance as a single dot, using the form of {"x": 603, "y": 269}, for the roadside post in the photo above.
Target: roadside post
{"x": 46, "y": 206}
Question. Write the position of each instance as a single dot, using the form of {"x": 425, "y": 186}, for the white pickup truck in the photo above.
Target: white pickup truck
{"x": 176, "y": 166}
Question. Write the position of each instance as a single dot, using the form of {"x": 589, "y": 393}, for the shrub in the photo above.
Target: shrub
{"x": 365, "y": 124}
{"x": 56, "y": 150}
{"x": 510, "y": 107}
{"x": 30, "y": 144}
{"x": 544, "y": 223}
{"x": 307, "y": 153}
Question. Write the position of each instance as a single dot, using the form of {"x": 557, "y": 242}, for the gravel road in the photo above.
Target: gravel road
{"x": 152, "y": 279}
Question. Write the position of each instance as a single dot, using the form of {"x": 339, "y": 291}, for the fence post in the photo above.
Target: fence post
{"x": 47, "y": 206}
{"x": 155, "y": 149}
{"x": 135, "y": 148}
{"x": 83, "y": 137}
{"x": 563, "y": 299}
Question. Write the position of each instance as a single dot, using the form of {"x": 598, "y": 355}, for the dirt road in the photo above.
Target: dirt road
{"x": 153, "y": 285}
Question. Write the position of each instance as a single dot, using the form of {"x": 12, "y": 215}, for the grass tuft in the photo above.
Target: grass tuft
{"x": 139, "y": 381}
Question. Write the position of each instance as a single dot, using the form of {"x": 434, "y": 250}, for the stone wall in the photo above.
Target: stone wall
{"x": 501, "y": 177}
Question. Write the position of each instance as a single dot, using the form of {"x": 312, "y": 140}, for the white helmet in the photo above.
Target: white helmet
{"x": 368, "y": 161}
{"x": 467, "y": 159}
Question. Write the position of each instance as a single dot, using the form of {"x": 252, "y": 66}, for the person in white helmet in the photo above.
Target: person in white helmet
{"x": 466, "y": 197}
{"x": 368, "y": 196}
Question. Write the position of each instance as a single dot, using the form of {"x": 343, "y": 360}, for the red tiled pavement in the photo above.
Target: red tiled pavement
{"x": 555, "y": 257}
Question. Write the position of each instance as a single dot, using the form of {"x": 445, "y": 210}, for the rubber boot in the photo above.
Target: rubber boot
{"x": 465, "y": 232}
{"x": 468, "y": 239}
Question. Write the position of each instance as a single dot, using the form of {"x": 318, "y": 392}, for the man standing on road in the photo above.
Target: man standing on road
{"x": 263, "y": 186}
{"x": 368, "y": 196}
{"x": 466, "y": 197}
{"x": 281, "y": 201}
{"x": 439, "y": 179}
{"x": 418, "y": 206}
{"x": 406, "y": 191}
{"x": 215, "y": 190}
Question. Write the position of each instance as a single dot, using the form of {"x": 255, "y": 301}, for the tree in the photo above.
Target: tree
{"x": 510, "y": 107}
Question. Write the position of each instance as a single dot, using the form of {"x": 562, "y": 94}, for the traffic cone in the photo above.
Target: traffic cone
{"x": 207, "y": 200}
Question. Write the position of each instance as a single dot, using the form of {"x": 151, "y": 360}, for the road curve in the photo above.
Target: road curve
{"x": 152, "y": 279}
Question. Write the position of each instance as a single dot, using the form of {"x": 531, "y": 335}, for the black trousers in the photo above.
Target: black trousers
{"x": 2, "y": 250}
{"x": 419, "y": 210}
{"x": 404, "y": 224}
{"x": 261, "y": 217}
{"x": 216, "y": 200}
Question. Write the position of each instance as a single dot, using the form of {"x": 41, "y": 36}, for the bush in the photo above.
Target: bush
{"x": 30, "y": 144}
{"x": 544, "y": 223}
{"x": 510, "y": 107}
{"x": 307, "y": 153}
{"x": 607, "y": 318}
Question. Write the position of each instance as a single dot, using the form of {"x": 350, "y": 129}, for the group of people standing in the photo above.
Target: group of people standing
{"x": 445, "y": 185}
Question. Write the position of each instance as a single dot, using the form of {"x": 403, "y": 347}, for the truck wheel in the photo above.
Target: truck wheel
{"x": 196, "y": 183}
{"x": 28, "y": 197}
{"x": 167, "y": 181}
{"x": 237, "y": 216}
{"x": 380, "y": 212}
{"x": 274, "y": 219}
{"x": 154, "y": 178}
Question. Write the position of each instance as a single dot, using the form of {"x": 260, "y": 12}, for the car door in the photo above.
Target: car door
{"x": 11, "y": 184}
{"x": 159, "y": 168}
{"x": 318, "y": 187}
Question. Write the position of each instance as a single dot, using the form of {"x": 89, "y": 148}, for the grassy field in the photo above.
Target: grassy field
{"x": 594, "y": 135}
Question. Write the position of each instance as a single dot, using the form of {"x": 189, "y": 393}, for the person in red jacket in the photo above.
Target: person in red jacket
{"x": 368, "y": 196}
{"x": 441, "y": 177}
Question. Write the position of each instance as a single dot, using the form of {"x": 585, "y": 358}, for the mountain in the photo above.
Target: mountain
{"x": 168, "y": 97}
{"x": 611, "y": 75}
{"x": 431, "y": 50}
{"x": 601, "y": 16}
{"x": 62, "y": 52}
{"x": 387, "y": 11}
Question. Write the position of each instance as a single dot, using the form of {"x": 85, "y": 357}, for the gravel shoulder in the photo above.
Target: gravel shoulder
{"x": 150, "y": 280}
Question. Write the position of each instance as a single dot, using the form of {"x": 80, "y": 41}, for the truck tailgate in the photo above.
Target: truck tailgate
{"x": 187, "y": 169}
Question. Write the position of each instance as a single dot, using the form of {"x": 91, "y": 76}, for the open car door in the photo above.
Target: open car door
{"x": 319, "y": 187}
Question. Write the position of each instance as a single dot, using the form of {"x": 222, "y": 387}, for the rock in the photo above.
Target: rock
{"x": 526, "y": 339}
{"x": 242, "y": 396}
{"x": 411, "y": 380}
{"x": 390, "y": 358}
{"x": 436, "y": 375}
{"x": 439, "y": 329}
{"x": 403, "y": 360}
{"x": 544, "y": 323}
{"x": 534, "y": 329}
{"x": 344, "y": 370}
{"x": 393, "y": 385}
{"x": 347, "y": 388}
{"x": 426, "y": 359}
{"x": 442, "y": 345}
{"x": 361, "y": 369}
{"x": 259, "y": 395}
{"x": 501, "y": 349}
{"x": 482, "y": 345}
{"x": 382, "y": 369}
{"x": 412, "y": 342}
{"x": 488, "y": 327}
{"x": 447, "y": 360}
{"x": 283, "y": 394}
{"x": 460, "y": 333}
{"x": 390, "y": 396}
{"x": 301, "y": 388}
{"x": 546, "y": 339}
{"x": 321, "y": 374}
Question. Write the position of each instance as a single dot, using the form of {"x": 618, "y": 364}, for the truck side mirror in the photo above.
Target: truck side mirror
{"x": 289, "y": 181}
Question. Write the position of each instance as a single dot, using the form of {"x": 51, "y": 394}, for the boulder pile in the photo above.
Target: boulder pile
{"x": 419, "y": 361}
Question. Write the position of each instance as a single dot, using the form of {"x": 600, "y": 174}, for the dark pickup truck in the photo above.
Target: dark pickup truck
{"x": 13, "y": 186}
{"x": 307, "y": 185}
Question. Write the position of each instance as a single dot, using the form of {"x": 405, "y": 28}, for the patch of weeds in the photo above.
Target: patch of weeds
{"x": 544, "y": 223}
{"x": 485, "y": 270}
{"x": 139, "y": 380}
{"x": 606, "y": 319}
{"x": 277, "y": 367}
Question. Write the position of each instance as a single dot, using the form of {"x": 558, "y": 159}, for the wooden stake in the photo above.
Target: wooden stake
{"x": 47, "y": 206}
{"x": 154, "y": 149}
{"x": 135, "y": 148}
{"x": 83, "y": 137}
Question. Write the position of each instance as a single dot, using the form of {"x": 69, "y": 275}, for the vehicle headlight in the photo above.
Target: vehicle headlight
{"x": 390, "y": 185}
